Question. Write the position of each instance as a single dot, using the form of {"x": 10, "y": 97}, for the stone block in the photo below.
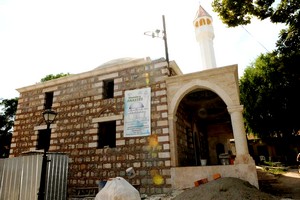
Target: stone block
{"x": 164, "y": 155}
{"x": 164, "y": 115}
{"x": 107, "y": 166}
{"x": 162, "y": 123}
{"x": 166, "y": 146}
{"x": 162, "y": 107}
{"x": 120, "y": 142}
{"x": 160, "y": 93}
{"x": 93, "y": 144}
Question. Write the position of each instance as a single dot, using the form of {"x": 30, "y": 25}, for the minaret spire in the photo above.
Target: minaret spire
{"x": 204, "y": 35}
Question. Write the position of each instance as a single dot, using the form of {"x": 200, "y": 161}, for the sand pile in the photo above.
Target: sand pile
{"x": 224, "y": 188}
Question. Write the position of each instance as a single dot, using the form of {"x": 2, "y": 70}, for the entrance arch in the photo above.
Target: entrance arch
{"x": 196, "y": 84}
{"x": 202, "y": 122}
{"x": 221, "y": 81}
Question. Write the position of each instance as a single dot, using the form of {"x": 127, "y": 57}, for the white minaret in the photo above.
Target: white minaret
{"x": 205, "y": 34}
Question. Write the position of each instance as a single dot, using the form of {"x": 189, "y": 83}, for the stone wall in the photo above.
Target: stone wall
{"x": 185, "y": 144}
{"x": 80, "y": 106}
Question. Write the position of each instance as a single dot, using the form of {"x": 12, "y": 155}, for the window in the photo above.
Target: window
{"x": 43, "y": 140}
{"x": 202, "y": 22}
{"x": 107, "y": 134}
{"x": 48, "y": 100}
{"x": 108, "y": 89}
{"x": 208, "y": 21}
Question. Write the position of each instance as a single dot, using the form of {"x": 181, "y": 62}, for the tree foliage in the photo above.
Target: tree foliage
{"x": 7, "y": 116}
{"x": 51, "y": 76}
{"x": 240, "y": 12}
{"x": 268, "y": 91}
{"x": 269, "y": 86}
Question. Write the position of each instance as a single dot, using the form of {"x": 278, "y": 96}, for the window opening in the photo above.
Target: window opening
{"x": 43, "y": 140}
{"x": 48, "y": 100}
{"x": 108, "y": 89}
{"x": 208, "y": 21}
{"x": 107, "y": 134}
{"x": 202, "y": 22}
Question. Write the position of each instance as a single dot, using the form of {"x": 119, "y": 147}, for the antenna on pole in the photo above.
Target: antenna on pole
{"x": 163, "y": 35}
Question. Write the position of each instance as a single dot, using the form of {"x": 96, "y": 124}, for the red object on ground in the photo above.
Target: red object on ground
{"x": 201, "y": 181}
{"x": 216, "y": 176}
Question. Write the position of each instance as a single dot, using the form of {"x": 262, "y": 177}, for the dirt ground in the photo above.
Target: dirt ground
{"x": 271, "y": 187}
{"x": 285, "y": 186}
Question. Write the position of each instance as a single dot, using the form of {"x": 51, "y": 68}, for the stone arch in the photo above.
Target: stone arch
{"x": 195, "y": 84}
{"x": 110, "y": 108}
{"x": 176, "y": 99}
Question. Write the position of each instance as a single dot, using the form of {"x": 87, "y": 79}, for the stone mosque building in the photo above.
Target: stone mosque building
{"x": 171, "y": 128}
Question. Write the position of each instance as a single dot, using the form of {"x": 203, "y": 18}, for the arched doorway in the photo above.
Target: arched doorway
{"x": 223, "y": 84}
{"x": 202, "y": 122}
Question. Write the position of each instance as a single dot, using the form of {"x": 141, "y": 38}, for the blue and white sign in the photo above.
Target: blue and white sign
{"x": 137, "y": 112}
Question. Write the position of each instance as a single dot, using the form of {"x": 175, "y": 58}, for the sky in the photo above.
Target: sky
{"x": 42, "y": 37}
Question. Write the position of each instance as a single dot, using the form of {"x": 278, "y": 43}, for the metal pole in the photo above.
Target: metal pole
{"x": 41, "y": 193}
{"x": 165, "y": 40}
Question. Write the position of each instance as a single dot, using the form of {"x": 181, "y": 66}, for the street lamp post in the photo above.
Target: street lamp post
{"x": 49, "y": 117}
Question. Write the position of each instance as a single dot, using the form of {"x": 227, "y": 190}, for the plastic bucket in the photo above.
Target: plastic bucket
{"x": 203, "y": 162}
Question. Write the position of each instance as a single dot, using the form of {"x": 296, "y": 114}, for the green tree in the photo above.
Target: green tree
{"x": 269, "y": 86}
{"x": 234, "y": 13}
{"x": 7, "y": 116}
{"x": 268, "y": 92}
{"x": 51, "y": 76}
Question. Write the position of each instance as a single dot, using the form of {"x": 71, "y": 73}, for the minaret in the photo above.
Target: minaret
{"x": 205, "y": 34}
